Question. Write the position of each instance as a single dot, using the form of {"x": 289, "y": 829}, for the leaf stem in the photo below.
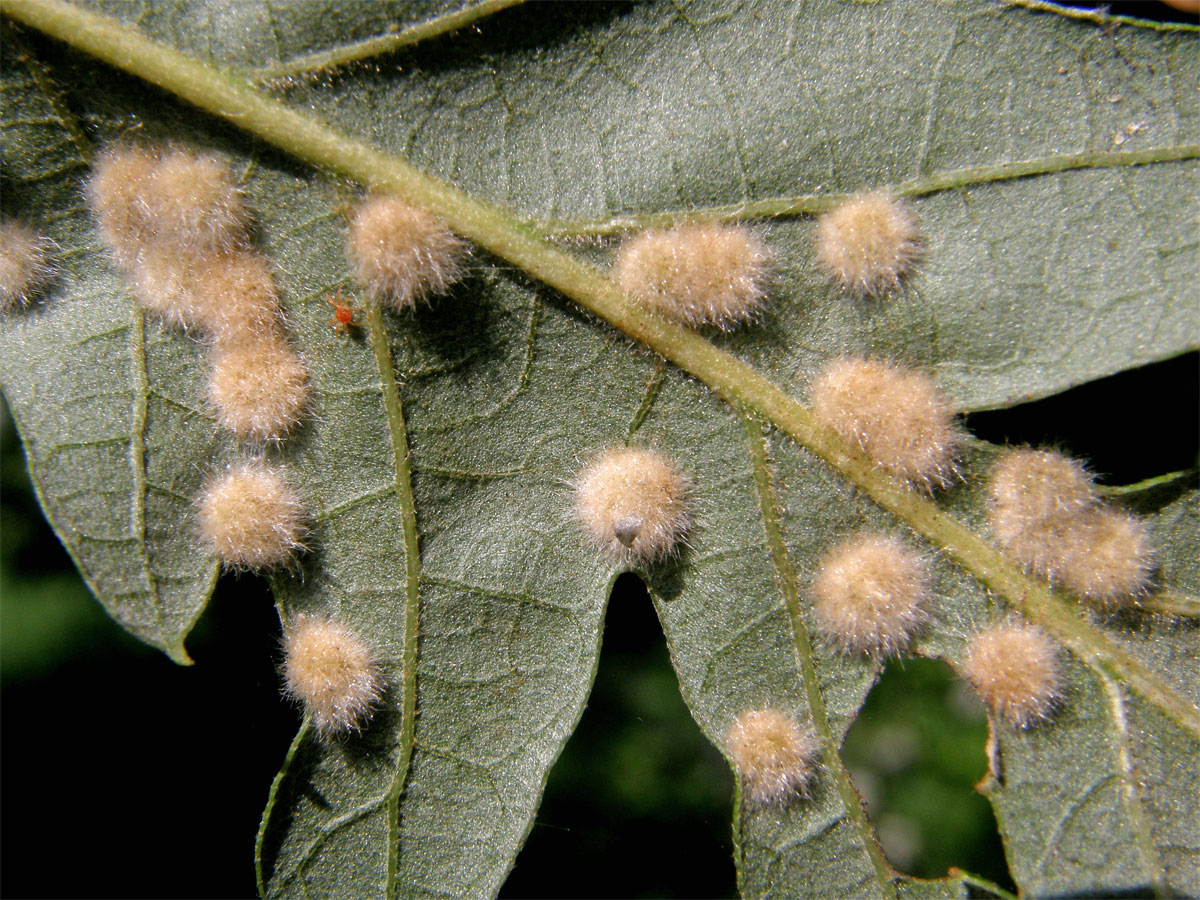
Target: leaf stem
{"x": 981, "y": 883}
{"x": 808, "y": 204}
{"x": 802, "y": 645}
{"x": 1132, "y": 794}
{"x": 1100, "y": 16}
{"x": 377, "y": 331}
{"x": 378, "y": 45}
{"x": 495, "y": 230}
{"x": 1173, "y": 604}
{"x": 272, "y": 794}
{"x": 1146, "y": 485}
{"x": 171, "y": 643}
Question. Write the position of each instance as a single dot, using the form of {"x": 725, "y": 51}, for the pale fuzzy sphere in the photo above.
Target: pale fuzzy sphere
{"x": 234, "y": 297}
{"x": 1037, "y": 499}
{"x": 116, "y": 191}
{"x": 230, "y": 296}
{"x": 159, "y": 284}
{"x": 1014, "y": 669}
{"x": 250, "y": 518}
{"x": 1047, "y": 516}
{"x": 775, "y": 757}
{"x": 330, "y": 669}
{"x": 633, "y": 505}
{"x": 194, "y": 206}
{"x": 868, "y": 244}
{"x": 871, "y": 593}
{"x": 899, "y": 418}
{"x": 696, "y": 274}
{"x": 259, "y": 387}
{"x": 400, "y": 253}
{"x": 24, "y": 264}
{"x": 1107, "y": 558}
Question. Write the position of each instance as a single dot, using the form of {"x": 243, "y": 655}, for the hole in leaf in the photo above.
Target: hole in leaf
{"x": 638, "y": 805}
{"x": 1127, "y": 427}
{"x": 916, "y": 752}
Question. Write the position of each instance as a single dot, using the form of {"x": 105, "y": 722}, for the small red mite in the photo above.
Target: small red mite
{"x": 343, "y": 313}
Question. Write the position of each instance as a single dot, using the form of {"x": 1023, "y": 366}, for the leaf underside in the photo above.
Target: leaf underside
{"x": 574, "y": 113}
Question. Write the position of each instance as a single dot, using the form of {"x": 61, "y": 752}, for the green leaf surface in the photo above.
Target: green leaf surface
{"x": 437, "y": 462}
{"x": 110, "y": 407}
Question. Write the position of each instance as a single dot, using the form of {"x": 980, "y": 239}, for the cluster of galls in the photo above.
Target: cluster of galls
{"x": 177, "y": 224}
{"x": 1047, "y": 516}
{"x": 715, "y": 274}
{"x": 872, "y": 590}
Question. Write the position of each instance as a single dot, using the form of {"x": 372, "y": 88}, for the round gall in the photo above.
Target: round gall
{"x": 1046, "y": 515}
{"x": 193, "y": 206}
{"x": 871, "y": 593}
{"x": 696, "y": 274}
{"x": 259, "y": 388}
{"x": 251, "y": 519}
{"x": 24, "y": 264}
{"x": 1037, "y": 498}
{"x": 1014, "y": 669}
{"x": 899, "y": 418}
{"x": 116, "y": 191}
{"x": 633, "y": 505}
{"x": 400, "y": 253}
{"x": 1107, "y": 558}
{"x": 234, "y": 298}
{"x": 774, "y": 756}
{"x": 332, "y": 672}
{"x": 867, "y": 245}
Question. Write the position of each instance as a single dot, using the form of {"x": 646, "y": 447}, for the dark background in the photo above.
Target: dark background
{"x": 123, "y": 775}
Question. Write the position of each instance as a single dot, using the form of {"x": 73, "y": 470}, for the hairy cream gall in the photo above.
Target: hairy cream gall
{"x": 25, "y": 265}
{"x": 899, "y": 418}
{"x": 871, "y": 592}
{"x": 160, "y": 286}
{"x": 867, "y": 245}
{"x": 176, "y": 223}
{"x": 230, "y": 296}
{"x": 775, "y": 757}
{"x": 696, "y": 274}
{"x": 259, "y": 387}
{"x": 234, "y": 298}
{"x": 250, "y": 518}
{"x": 332, "y": 672}
{"x": 1014, "y": 668}
{"x": 193, "y": 206}
{"x": 1108, "y": 557}
{"x": 116, "y": 191}
{"x": 174, "y": 199}
{"x": 400, "y": 253}
{"x": 633, "y": 505}
{"x": 1046, "y": 515}
{"x": 1036, "y": 496}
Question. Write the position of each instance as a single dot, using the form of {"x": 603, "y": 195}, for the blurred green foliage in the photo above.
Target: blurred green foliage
{"x": 916, "y": 752}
